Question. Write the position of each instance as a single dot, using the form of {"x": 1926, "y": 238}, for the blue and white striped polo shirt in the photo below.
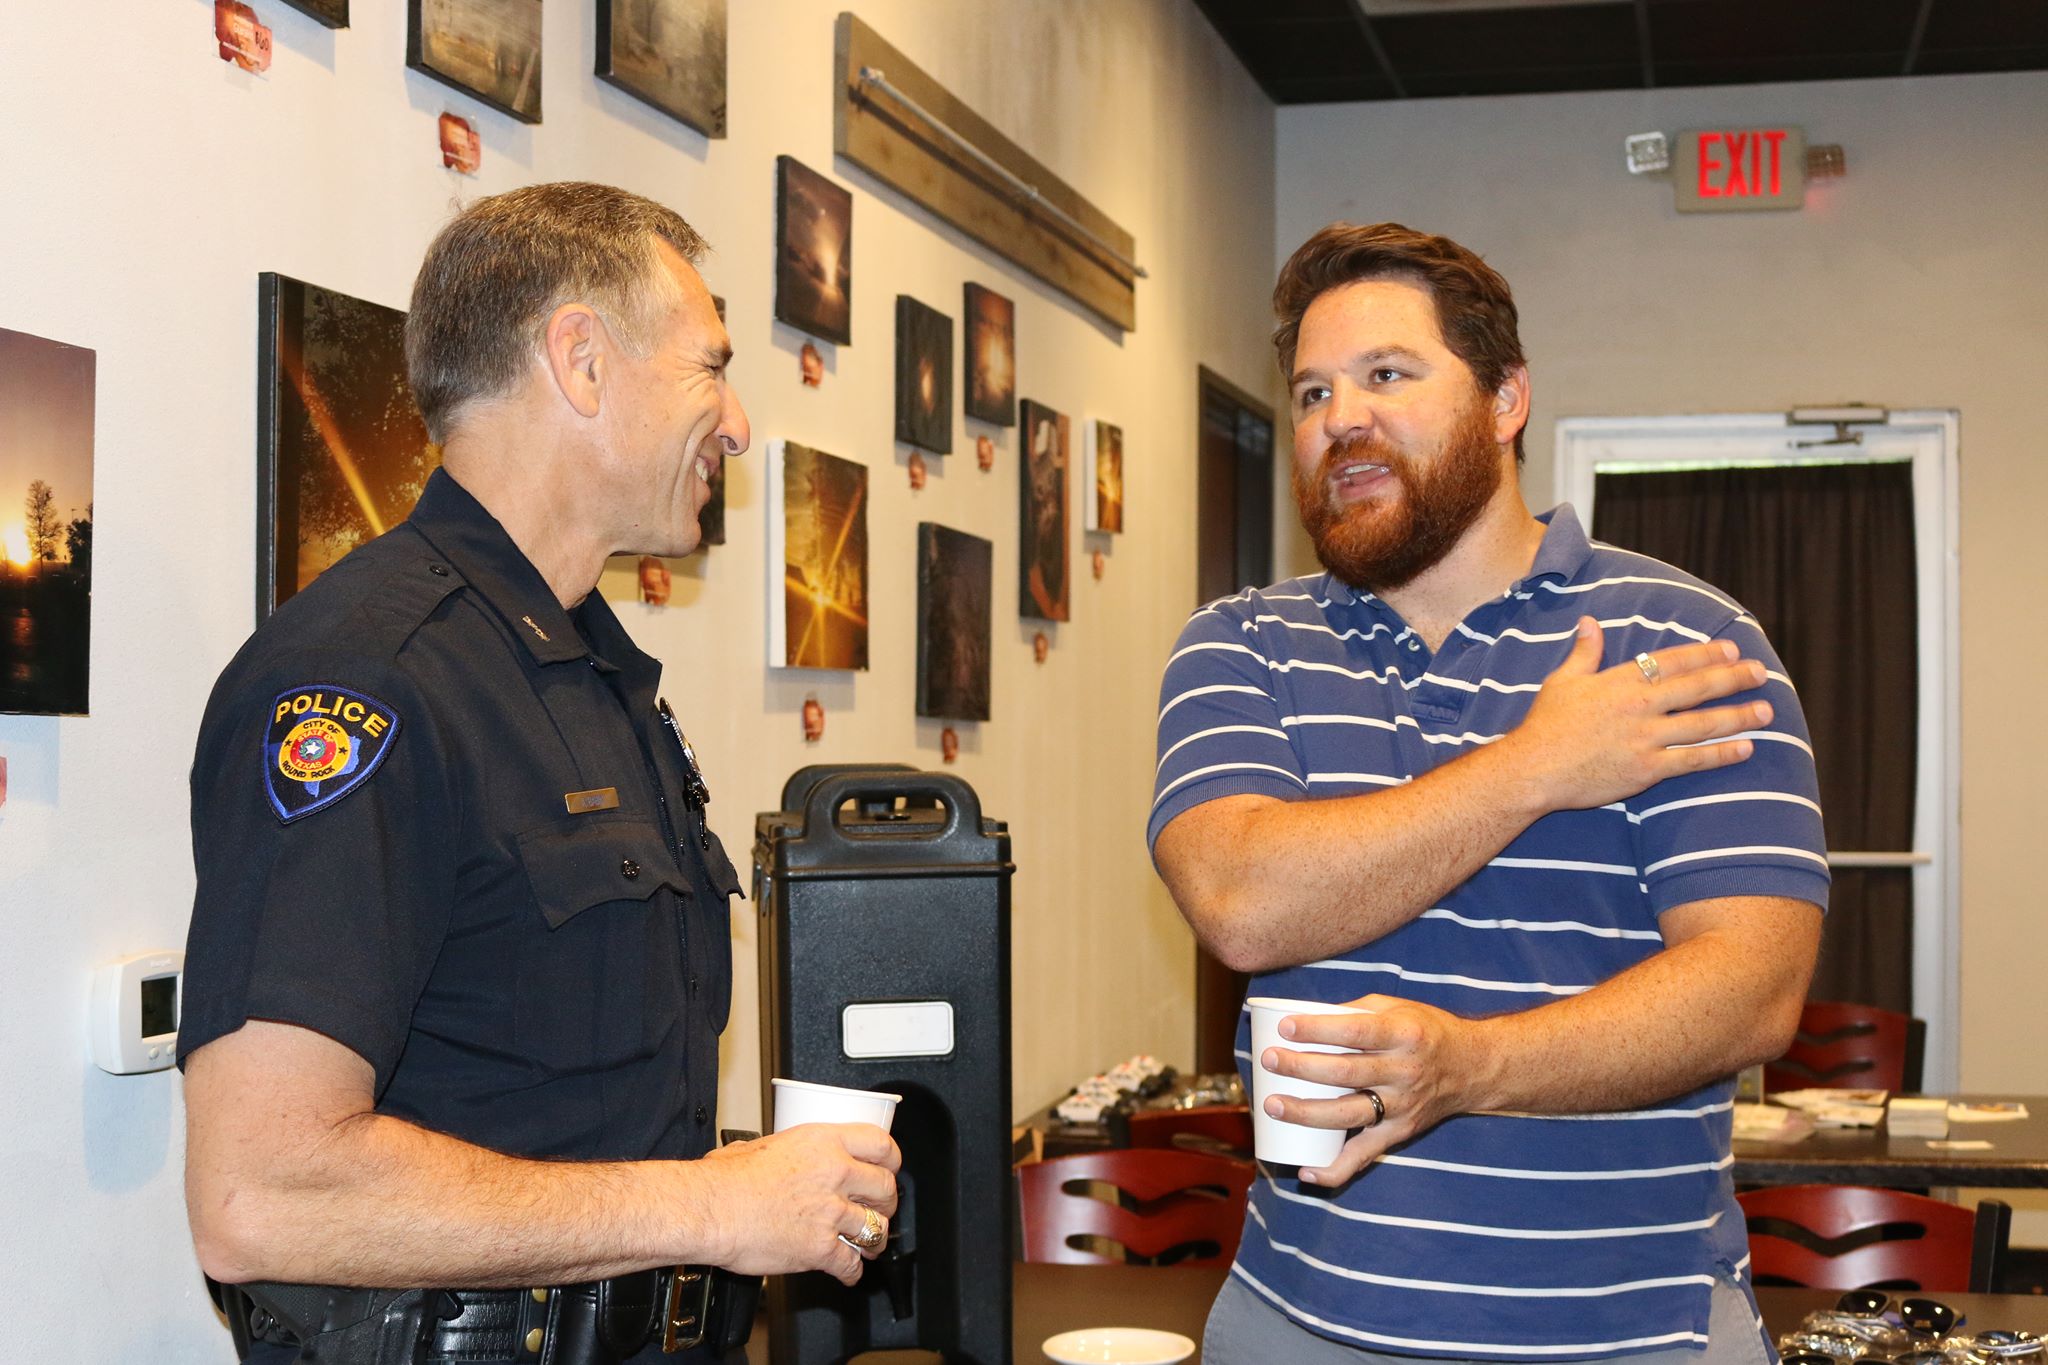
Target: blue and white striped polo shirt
{"x": 1498, "y": 1236}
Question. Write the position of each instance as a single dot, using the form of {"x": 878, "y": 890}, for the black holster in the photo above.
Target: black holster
{"x": 337, "y": 1326}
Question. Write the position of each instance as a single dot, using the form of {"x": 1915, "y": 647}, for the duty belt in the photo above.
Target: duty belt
{"x": 601, "y": 1322}
{"x": 618, "y": 1317}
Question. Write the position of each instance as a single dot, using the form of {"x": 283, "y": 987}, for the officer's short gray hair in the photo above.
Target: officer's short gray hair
{"x": 496, "y": 273}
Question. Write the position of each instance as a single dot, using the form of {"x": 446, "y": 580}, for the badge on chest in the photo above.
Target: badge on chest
{"x": 321, "y": 744}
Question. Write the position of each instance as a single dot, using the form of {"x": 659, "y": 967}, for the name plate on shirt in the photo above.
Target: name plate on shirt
{"x": 598, "y": 798}
{"x": 909, "y": 1028}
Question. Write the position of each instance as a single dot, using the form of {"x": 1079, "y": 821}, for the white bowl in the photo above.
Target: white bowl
{"x": 1118, "y": 1346}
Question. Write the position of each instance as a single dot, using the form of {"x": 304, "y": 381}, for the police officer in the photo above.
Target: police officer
{"x": 459, "y": 954}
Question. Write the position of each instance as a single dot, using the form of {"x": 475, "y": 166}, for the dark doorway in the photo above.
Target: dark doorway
{"x": 1234, "y": 498}
{"x": 1233, "y": 550}
{"x": 1823, "y": 555}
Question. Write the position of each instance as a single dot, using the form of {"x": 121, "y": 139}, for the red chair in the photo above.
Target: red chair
{"x": 1222, "y": 1129}
{"x": 1854, "y": 1237}
{"x": 1162, "y": 1207}
{"x": 1851, "y": 1047}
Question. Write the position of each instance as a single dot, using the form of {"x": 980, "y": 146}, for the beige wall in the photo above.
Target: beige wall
{"x": 148, "y": 184}
{"x": 1915, "y": 282}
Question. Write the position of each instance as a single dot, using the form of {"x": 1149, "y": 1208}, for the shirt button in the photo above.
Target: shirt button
{"x": 629, "y": 869}
{"x": 693, "y": 985}
{"x": 703, "y": 1114}
{"x": 441, "y": 569}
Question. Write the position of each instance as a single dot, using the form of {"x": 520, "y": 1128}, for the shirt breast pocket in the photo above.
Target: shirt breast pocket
{"x": 600, "y": 975}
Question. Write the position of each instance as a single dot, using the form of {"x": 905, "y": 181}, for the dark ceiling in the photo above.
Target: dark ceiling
{"x": 1312, "y": 51}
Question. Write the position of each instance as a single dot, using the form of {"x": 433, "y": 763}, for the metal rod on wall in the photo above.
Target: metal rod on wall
{"x": 1023, "y": 189}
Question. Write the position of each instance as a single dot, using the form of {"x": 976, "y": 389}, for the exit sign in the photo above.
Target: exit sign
{"x": 1729, "y": 170}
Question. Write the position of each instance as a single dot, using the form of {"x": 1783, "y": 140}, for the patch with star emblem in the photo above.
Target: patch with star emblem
{"x": 322, "y": 743}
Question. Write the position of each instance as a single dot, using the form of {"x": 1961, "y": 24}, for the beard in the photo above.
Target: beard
{"x": 1377, "y": 547}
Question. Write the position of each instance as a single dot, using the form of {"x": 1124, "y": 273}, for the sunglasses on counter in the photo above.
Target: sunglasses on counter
{"x": 1920, "y": 1316}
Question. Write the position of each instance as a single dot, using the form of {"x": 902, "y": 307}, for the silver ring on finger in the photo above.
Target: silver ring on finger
{"x": 1379, "y": 1107}
{"x": 873, "y": 1232}
{"x": 1652, "y": 670}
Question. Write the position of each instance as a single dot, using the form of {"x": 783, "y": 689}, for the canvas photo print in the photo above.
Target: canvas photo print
{"x": 1042, "y": 528}
{"x": 490, "y": 48}
{"x": 670, "y": 53}
{"x": 46, "y": 427}
{"x": 991, "y": 368}
{"x": 818, "y": 557}
{"x": 813, "y": 252}
{"x": 333, "y": 13}
{"x": 954, "y": 607}
{"x": 924, "y": 376}
{"x": 343, "y": 454}
{"x": 1103, "y": 477}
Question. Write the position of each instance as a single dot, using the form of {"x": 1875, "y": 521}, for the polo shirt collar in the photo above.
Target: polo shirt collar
{"x": 1565, "y": 547}
{"x": 477, "y": 547}
{"x": 1563, "y": 551}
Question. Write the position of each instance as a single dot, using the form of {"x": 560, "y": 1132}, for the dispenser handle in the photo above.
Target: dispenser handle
{"x": 821, "y": 808}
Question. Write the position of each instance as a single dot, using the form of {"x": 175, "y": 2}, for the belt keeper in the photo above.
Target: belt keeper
{"x": 686, "y": 1308}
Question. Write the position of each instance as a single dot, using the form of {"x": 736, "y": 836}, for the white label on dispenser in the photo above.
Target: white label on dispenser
{"x": 910, "y": 1028}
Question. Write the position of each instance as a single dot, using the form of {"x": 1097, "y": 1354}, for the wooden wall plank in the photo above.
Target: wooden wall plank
{"x": 874, "y": 132}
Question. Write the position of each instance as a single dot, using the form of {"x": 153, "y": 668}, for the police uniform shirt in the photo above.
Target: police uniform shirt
{"x": 437, "y": 818}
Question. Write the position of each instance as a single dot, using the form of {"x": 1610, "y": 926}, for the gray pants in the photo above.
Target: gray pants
{"x": 1245, "y": 1329}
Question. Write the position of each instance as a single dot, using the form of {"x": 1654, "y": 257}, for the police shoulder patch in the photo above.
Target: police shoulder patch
{"x": 321, "y": 743}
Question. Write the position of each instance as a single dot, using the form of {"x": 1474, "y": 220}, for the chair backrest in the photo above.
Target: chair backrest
{"x": 1148, "y": 1205}
{"x": 1854, "y": 1237}
{"x": 1219, "y": 1128}
{"x": 1850, "y": 1047}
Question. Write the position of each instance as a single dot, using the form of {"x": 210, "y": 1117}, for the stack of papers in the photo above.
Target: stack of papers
{"x": 1918, "y": 1116}
{"x": 1985, "y": 1111}
{"x": 1837, "y": 1108}
{"x": 1771, "y": 1123}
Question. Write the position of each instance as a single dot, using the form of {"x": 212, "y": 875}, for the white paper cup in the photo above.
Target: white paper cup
{"x": 807, "y": 1102}
{"x": 1276, "y": 1140}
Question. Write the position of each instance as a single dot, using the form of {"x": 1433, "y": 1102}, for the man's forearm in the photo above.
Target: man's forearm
{"x": 1725, "y": 998}
{"x": 1268, "y": 884}
{"x": 1724, "y": 993}
{"x": 382, "y": 1203}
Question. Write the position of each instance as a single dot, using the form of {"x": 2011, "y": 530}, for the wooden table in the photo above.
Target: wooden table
{"x": 1058, "y": 1298}
{"x": 2017, "y": 1159}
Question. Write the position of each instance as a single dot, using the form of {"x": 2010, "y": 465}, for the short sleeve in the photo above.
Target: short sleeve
{"x": 1748, "y": 829}
{"x": 1220, "y": 726}
{"x": 321, "y": 902}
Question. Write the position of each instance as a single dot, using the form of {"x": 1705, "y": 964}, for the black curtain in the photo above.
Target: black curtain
{"x": 1822, "y": 555}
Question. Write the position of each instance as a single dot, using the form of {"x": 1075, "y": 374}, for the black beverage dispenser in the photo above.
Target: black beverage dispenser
{"x": 885, "y": 965}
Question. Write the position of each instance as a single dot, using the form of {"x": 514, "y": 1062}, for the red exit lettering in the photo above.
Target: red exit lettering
{"x": 1741, "y": 165}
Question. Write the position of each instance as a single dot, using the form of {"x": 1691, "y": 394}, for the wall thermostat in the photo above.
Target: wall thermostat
{"x": 135, "y": 1006}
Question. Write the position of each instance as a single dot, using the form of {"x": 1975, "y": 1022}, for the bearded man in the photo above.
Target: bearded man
{"x": 1574, "y": 899}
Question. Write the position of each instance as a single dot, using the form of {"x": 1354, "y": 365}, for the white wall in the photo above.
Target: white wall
{"x": 149, "y": 183}
{"x": 1915, "y": 282}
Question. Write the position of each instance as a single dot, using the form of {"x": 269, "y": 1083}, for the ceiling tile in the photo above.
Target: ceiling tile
{"x": 1961, "y": 60}
{"x": 1763, "y": 71}
{"x": 1774, "y": 31}
{"x": 1537, "y": 81}
{"x": 1574, "y": 36}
